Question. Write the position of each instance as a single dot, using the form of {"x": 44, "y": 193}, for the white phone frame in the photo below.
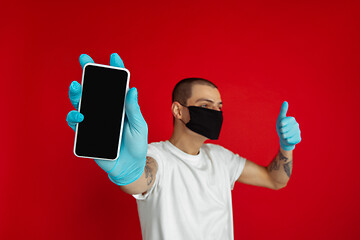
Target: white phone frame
{"x": 123, "y": 113}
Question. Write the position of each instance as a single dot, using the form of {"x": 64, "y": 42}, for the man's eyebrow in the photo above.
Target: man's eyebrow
{"x": 207, "y": 100}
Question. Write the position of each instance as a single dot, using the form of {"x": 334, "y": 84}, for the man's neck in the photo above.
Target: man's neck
{"x": 185, "y": 142}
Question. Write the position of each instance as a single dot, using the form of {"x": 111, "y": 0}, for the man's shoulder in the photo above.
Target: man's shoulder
{"x": 216, "y": 148}
{"x": 156, "y": 147}
{"x": 213, "y": 147}
{"x": 156, "y": 144}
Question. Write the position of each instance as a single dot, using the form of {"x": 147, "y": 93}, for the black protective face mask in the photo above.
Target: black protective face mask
{"x": 204, "y": 121}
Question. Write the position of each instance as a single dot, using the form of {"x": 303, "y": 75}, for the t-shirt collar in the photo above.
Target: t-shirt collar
{"x": 182, "y": 154}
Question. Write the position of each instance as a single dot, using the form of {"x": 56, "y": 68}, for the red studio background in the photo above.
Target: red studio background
{"x": 259, "y": 53}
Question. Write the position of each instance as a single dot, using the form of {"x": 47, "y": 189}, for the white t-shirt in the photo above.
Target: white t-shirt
{"x": 191, "y": 196}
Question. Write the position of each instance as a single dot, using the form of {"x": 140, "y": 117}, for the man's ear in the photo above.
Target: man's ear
{"x": 176, "y": 110}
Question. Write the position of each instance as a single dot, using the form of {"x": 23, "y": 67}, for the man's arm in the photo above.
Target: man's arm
{"x": 277, "y": 173}
{"x": 146, "y": 181}
{"x": 274, "y": 176}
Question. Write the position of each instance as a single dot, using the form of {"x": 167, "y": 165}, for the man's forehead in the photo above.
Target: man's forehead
{"x": 204, "y": 92}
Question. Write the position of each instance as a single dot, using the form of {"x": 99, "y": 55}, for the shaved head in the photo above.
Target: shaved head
{"x": 183, "y": 89}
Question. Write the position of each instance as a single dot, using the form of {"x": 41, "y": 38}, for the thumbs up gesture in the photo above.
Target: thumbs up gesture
{"x": 288, "y": 129}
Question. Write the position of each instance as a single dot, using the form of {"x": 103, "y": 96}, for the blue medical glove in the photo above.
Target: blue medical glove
{"x": 130, "y": 164}
{"x": 288, "y": 129}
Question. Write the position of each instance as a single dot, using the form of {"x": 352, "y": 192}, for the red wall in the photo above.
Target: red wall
{"x": 259, "y": 53}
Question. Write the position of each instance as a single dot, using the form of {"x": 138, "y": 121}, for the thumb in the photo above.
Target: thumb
{"x": 284, "y": 109}
{"x": 132, "y": 109}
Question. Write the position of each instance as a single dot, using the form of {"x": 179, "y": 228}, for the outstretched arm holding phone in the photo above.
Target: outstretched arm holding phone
{"x": 132, "y": 171}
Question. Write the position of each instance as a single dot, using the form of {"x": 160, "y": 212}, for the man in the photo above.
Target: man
{"x": 183, "y": 186}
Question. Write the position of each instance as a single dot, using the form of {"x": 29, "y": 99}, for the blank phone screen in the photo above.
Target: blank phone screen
{"x": 102, "y": 104}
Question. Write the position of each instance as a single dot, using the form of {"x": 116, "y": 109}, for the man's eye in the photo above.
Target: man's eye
{"x": 204, "y": 105}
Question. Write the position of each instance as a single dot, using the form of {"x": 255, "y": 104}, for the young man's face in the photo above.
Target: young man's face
{"x": 202, "y": 96}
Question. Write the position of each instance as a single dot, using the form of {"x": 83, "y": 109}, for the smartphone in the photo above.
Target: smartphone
{"x": 102, "y": 103}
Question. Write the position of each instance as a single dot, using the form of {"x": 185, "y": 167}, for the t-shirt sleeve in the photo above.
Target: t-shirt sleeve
{"x": 234, "y": 164}
{"x": 154, "y": 153}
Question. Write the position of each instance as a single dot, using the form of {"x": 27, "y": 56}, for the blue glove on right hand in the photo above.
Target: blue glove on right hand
{"x": 288, "y": 129}
{"x": 130, "y": 164}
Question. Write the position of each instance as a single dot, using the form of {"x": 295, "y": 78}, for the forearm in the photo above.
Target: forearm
{"x": 281, "y": 167}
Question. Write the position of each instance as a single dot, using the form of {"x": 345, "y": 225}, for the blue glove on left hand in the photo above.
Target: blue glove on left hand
{"x": 288, "y": 129}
